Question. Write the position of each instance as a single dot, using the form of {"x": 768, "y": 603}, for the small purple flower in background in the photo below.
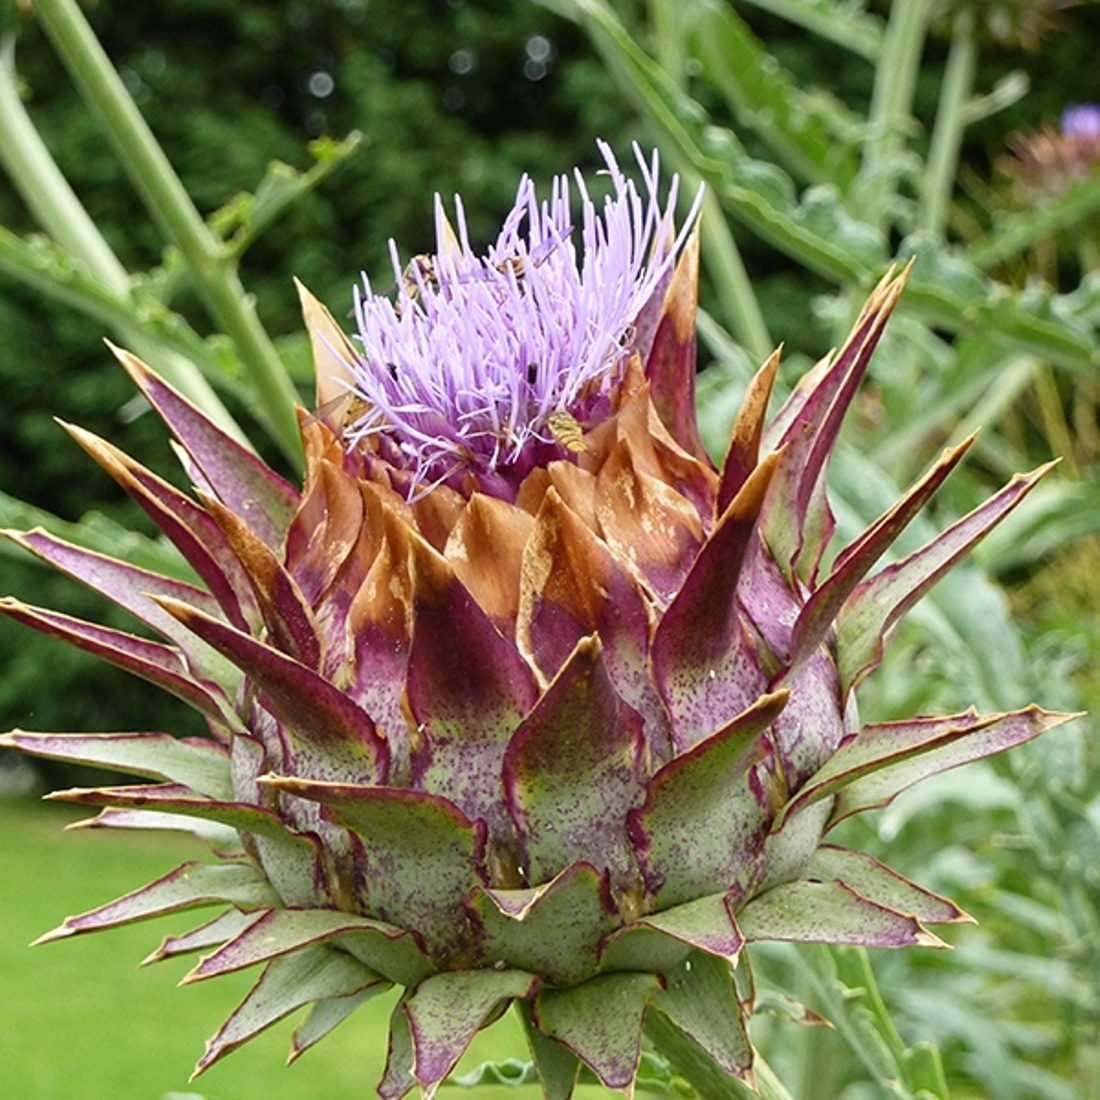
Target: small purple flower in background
{"x": 1046, "y": 162}
{"x": 1082, "y": 121}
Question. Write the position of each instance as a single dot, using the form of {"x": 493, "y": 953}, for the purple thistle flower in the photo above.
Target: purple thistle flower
{"x": 1047, "y": 161}
{"x": 571, "y": 737}
{"x": 479, "y": 359}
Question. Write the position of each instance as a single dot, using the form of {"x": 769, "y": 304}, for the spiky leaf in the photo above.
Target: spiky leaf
{"x": 601, "y": 1022}
{"x": 312, "y": 974}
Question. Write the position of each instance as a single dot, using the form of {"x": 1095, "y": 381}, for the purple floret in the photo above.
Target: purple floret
{"x": 467, "y": 368}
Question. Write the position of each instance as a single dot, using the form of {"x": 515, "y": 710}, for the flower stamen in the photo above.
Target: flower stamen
{"x": 482, "y": 359}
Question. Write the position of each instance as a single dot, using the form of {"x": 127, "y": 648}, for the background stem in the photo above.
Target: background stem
{"x": 950, "y": 125}
{"x": 890, "y": 114}
{"x": 167, "y": 201}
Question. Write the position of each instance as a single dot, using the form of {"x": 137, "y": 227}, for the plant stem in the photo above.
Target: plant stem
{"x": 60, "y": 213}
{"x": 732, "y": 283}
{"x": 947, "y": 136}
{"x": 697, "y": 1068}
{"x": 1058, "y": 432}
{"x": 666, "y": 22}
{"x": 891, "y": 108}
{"x": 44, "y": 189}
{"x": 884, "y": 1024}
{"x": 691, "y": 1062}
{"x": 48, "y": 270}
{"x": 168, "y": 202}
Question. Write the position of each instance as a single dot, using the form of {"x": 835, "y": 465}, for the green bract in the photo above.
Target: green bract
{"x": 571, "y": 745}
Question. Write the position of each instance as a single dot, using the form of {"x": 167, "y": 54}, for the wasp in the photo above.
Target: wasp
{"x": 419, "y": 272}
{"x": 349, "y": 404}
{"x": 517, "y": 265}
{"x": 567, "y": 430}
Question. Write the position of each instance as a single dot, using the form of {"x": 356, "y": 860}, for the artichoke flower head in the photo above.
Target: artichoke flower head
{"x": 1045, "y": 163}
{"x": 521, "y": 698}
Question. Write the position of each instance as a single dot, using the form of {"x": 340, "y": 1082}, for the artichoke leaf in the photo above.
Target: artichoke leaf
{"x": 189, "y": 886}
{"x": 601, "y": 1022}
{"x": 287, "y": 984}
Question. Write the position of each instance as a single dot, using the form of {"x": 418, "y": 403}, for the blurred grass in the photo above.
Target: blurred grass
{"x": 79, "y": 1019}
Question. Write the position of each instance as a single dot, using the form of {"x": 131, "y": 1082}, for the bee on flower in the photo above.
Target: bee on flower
{"x": 567, "y": 430}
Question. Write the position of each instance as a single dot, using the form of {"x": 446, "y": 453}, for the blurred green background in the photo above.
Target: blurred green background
{"x": 458, "y": 95}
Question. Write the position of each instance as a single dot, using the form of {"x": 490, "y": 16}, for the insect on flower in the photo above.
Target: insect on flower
{"x": 419, "y": 274}
{"x": 350, "y": 407}
{"x": 518, "y": 265}
{"x": 567, "y": 430}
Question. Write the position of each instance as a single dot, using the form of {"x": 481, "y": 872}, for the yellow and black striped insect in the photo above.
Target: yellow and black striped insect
{"x": 353, "y": 407}
{"x": 419, "y": 272}
{"x": 517, "y": 265}
{"x": 567, "y": 430}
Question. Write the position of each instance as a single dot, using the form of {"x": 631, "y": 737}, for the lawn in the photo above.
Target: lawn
{"x": 78, "y": 1019}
